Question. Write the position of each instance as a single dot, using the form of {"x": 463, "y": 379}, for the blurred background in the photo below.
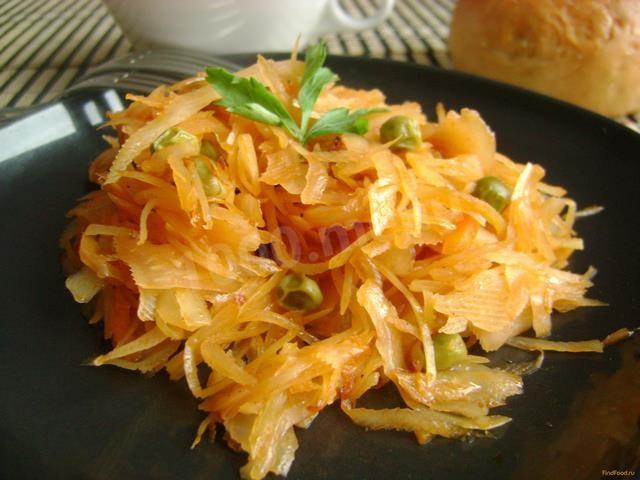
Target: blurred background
{"x": 45, "y": 45}
{"x": 586, "y": 52}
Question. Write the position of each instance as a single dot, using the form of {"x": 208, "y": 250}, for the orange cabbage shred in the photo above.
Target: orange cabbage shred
{"x": 398, "y": 244}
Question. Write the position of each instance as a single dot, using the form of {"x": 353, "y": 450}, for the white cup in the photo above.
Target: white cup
{"x": 235, "y": 26}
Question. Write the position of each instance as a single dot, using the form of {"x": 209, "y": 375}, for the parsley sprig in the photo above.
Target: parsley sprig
{"x": 249, "y": 98}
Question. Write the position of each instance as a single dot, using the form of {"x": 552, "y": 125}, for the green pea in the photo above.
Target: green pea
{"x": 299, "y": 292}
{"x": 493, "y": 191}
{"x": 210, "y": 183}
{"x": 173, "y": 136}
{"x": 449, "y": 349}
{"x": 208, "y": 150}
{"x": 405, "y": 129}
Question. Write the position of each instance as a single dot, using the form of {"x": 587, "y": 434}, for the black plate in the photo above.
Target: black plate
{"x": 59, "y": 419}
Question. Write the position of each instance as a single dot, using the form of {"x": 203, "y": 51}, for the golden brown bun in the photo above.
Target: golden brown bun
{"x": 583, "y": 51}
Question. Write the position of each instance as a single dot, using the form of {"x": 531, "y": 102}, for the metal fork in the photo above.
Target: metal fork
{"x": 138, "y": 72}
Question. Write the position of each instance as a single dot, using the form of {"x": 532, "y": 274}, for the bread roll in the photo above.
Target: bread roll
{"x": 582, "y": 51}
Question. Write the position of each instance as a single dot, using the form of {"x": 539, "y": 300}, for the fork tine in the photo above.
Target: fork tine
{"x": 138, "y": 82}
{"x": 180, "y": 62}
{"x": 196, "y": 57}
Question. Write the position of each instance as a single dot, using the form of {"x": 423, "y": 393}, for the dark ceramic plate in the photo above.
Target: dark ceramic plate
{"x": 59, "y": 419}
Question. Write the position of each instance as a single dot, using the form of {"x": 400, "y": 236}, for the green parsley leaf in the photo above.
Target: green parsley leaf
{"x": 249, "y": 98}
{"x": 309, "y": 92}
{"x": 314, "y": 79}
{"x": 315, "y": 57}
{"x": 339, "y": 120}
